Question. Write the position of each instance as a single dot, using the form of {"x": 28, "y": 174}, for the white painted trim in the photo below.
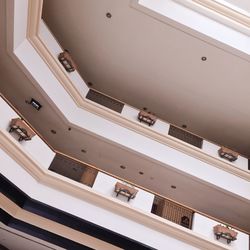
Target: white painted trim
{"x": 65, "y": 81}
{"x": 57, "y": 69}
{"x": 48, "y": 178}
{"x": 53, "y": 227}
{"x": 226, "y": 11}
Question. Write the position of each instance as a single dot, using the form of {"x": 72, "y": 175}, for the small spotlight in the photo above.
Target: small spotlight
{"x": 122, "y": 167}
{"x": 83, "y": 151}
{"x": 34, "y": 103}
{"x": 53, "y": 131}
{"x": 108, "y": 15}
{"x": 203, "y": 58}
{"x": 141, "y": 173}
{"x": 173, "y": 186}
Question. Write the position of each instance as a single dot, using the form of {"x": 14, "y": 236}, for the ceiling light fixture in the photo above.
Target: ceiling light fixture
{"x": 123, "y": 167}
{"x": 34, "y": 103}
{"x": 173, "y": 186}
{"x": 108, "y": 15}
{"x": 83, "y": 151}
{"x": 141, "y": 173}
{"x": 69, "y": 128}
{"x": 203, "y": 58}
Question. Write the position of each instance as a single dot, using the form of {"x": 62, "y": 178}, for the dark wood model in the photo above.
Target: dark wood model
{"x": 228, "y": 154}
{"x": 225, "y": 232}
{"x": 125, "y": 190}
{"x": 67, "y": 62}
{"x": 147, "y": 117}
{"x": 24, "y": 132}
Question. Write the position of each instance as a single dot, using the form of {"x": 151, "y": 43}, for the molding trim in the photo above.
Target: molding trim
{"x": 71, "y": 187}
{"x": 62, "y": 76}
{"x": 46, "y": 177}
{"x": 49, "y": 178}
{"x": 225, "y": 11}
{"x": 33, "y": 22}
{"x": 43, "y": 228}
{"x": 35, "y": 8}
{"x": 62, "y": 223}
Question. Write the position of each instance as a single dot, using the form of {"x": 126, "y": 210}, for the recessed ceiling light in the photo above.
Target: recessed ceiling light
{"x": 141, "y": 173}
{"x": 123, "y": 167}
{"x": 184, "y": 125}
{"x": 108, "y": 15}
{"x": 53, "y": 131}
{"x": 204, "y": 58}
{"x": 83, "y": 151}
{"x": 173, "y": 186}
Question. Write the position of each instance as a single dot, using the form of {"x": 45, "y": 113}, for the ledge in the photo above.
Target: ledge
{"x": 15, "y": 151}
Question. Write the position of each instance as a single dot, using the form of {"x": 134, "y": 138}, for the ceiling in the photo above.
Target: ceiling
{"x": 17, "y": 87}
{"x": 146, "y": 63}
{"x": 13, "y": 239}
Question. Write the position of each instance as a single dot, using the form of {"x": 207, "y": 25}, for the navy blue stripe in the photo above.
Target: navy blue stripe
{"x": 40, "y": 233}
{"x": 66, "y": 219}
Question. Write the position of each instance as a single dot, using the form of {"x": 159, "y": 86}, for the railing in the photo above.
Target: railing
{"x": 178, "y": 211}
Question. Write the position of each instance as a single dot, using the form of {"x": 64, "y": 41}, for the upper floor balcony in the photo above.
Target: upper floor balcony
{"x": 96, "y": 129}
{"x": 61, "y": 184}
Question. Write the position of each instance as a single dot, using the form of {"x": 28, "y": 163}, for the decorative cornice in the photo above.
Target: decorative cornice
{"x": 21, "y": 214}
{"x": 132, "y": 125}
{"x": 32, "y": 31}
{"x": 225, "y": 11}
{"x": 34, "y": 12}
{"x": 54, "y": 65}
{"x": 48, "y": 178}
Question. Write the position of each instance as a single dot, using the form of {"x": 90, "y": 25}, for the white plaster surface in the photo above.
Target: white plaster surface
{"x": 105, "y": 184}
{"x": 212, "y": 149}
{"x": 87, "y": 210}
{"x": 118, "y": 134}
{"x": 204, "y": 226}
{"x": 36, "y": 147}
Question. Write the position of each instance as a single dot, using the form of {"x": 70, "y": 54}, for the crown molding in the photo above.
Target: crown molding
{"x": 65, "y": 81}
{"x": 34, "y": 18}
{"x": 54, "y": 227}
{"x": 225, "y": 11}
{"x": 48, "y": 178}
